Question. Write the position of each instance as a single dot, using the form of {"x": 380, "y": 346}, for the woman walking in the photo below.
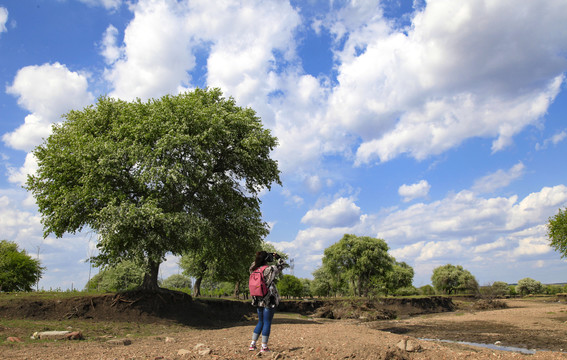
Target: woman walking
{"x": 266, "y": 305}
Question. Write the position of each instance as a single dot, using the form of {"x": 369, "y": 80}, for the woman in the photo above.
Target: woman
{"x": 266, "y": 306}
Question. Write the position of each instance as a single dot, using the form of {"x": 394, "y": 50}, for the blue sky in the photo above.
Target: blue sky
{"x": 439, "y": 126}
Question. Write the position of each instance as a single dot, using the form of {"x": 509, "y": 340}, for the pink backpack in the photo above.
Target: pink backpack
{"x": 257, "y": 284}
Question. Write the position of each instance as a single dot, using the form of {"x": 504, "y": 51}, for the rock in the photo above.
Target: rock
{"x": 183, "y": 352}
{"x": 412, "y": 346}
{"x": 204, "y": 351}
{"x": 198, "y": 346}
{"x": 52, "y": 335}
{"x": 123, "y": 342}
{"x": 498, "y": 343}
{"x": 408, "y": 345}
{"x": 13, "y": 339}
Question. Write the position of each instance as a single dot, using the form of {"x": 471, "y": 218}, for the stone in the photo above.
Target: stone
{"x": 52, "y": 335}
{"x": 169, "y": 339}
{"x": 412, "y": 346}
{"x": 123, "y": 342}
{"x": 203, "y": 352}
{"x": 198, "y": 346}
{"x": 408, "y": 345}
{"x": 13, "y": 339}
{"x": 183, "y": 352}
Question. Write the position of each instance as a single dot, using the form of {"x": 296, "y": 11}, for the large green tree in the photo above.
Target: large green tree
{"x": 361, "y": 260}
{"x": 557, "y": 232}
{"x": 168, "y": 175}
{"x": 290, "y": 285}
{"x": 451, "y": 279}
{"x": 18, "y": 271}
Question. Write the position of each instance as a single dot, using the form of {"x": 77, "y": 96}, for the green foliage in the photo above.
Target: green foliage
{"x": 18, "y": 271}
{"x": 176, "y": 281}
{"x": 426, "y": 290}
{"x": 557, "y": 232}
{"x": 290, "y": 285}
{"x": 322, "y": 284}
{"x": 553, "y": 289}
{"x": 450, "y": 279}
{"x": 181, "y": 173}
{"x": 496, "y": 289}
{"x": 528, "y": 286}
{"x": 306, "y": 283}
{"x": 125, "y": 275}
{"x": 512, "y": 290}
{"x": 406, "y": 291}
{"x": 400, "y": 277}
{"x": 361, "y": 262}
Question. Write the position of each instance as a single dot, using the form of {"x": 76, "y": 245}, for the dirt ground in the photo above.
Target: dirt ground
{"x": 527, "y": 324}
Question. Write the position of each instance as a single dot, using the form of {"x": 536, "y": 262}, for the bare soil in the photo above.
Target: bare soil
{"x": 194, "y": 329}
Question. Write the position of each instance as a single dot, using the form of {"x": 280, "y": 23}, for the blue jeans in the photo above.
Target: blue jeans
{"x": 265, "y": 316}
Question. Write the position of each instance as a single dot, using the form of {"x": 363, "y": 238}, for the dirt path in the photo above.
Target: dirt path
{"x": 303, "y": 338}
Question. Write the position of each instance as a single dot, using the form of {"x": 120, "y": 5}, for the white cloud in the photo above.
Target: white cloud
{"x": 342, "y": 212}
{"x": 498, "y": 179}
{"x": 20, "y": 176}
{"x": 554, "y": 140}
{"x": 3, "y": 19}
{"x": 109, "y": 49}
{"x": 47, "y": 91}
{"x": 107, "y": 4}
{"x": 464, "y": 69}
{"x": 414, "y": 191}
{"x": 292, "y": 198}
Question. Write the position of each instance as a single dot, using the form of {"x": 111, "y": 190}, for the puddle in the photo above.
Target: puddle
{"x": 487, "y": 346}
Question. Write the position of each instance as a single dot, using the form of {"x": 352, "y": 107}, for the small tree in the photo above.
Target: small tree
{"x": 557, "y": 232}
{"x": 426, "y": 290}
{"x": 528, "y": 286}
{"x": 401, "y": 276}
{"x": 125, "y": 275}
{"x": 450, "y": 279}
{"x": 18, "y": 271}
{"x": 289, "y": 285}
{"x": 176, "y": 281}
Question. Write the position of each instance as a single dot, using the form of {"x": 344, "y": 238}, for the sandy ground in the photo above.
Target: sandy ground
{"x": 304, "y": 338}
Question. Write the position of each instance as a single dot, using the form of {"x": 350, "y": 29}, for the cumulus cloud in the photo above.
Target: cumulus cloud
{"x": 498, "y": 179}
{"x": 47, "y": 91}
{"x": 3, "y": 19}
{"x": 342, "y": 212}
{"x": 414, "y": 191}
{"x": 463, "y": 69}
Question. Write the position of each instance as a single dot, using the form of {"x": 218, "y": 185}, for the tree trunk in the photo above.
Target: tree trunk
{"x": 237, "y": 290}
{"x": 151, "y": 277}
{"x": 197, "y": 286}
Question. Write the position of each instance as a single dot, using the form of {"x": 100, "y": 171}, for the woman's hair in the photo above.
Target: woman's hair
{"x": 260, "y": 259}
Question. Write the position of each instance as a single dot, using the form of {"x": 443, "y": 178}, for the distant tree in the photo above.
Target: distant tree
{"x": 361, "y": 261}
{"x": 18, "y": 271}
{"x": 289, "y": 285}
{"x": 426, "y": 290}
{"x": 401, "y": 276}
{"x": 528, "y": 286}
{"x": 557, "y": 232}
{"x": 306, "y": 283}
{"x": 125, "y": 275}
{"x": 176, "y": 281}
{"x": 496, "y": 289}
{"x": 322, "y": 283}
{"x": 406, "y": 291}
{"x": 450, "y": 279}
{"x": 165, "y": 176}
